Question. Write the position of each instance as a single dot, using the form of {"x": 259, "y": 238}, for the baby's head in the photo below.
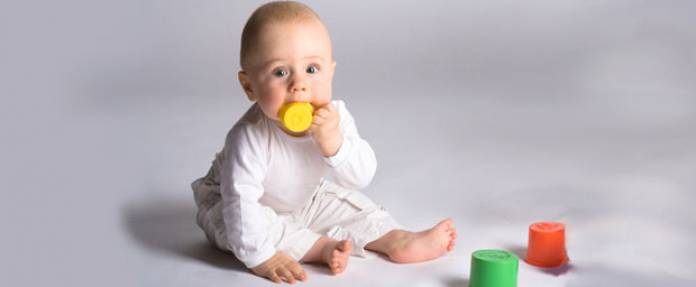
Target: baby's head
{"x": 286, "y": 56}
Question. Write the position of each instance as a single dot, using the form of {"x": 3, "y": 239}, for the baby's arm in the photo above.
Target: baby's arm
{"x": 242, "y": 172}
{"x": 354, "y": 164}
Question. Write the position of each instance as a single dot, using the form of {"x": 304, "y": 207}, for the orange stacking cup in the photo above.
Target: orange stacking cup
{"x": 546, "y": 246}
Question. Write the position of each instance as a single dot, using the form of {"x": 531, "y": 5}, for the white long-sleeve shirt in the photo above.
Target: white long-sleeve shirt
{"x": 260, "y": 165}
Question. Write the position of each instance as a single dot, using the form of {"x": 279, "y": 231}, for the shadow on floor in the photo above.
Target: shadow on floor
{"x": 168, "y": 226}
{"x": 521, "y": 252}
{"x": 456, "y": 282}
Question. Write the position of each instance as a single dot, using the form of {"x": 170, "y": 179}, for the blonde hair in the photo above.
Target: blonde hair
{"x": 271, "y": 13}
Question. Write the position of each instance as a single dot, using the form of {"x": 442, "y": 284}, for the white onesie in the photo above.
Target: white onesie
{"x": 268, "y": 191}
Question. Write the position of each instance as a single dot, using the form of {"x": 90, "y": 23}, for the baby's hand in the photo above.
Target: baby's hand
{"x": 280, "y": 268}
{"x": 326, "y": 130}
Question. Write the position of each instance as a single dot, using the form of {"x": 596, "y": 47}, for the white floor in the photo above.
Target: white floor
{"x": 623, "y": 194}
{"x": 590, "y": 121}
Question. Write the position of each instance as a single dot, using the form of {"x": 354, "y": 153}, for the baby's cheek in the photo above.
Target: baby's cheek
{"x": 271, "y": 108}
{"x": 275, "y": 103}
{"x": 322, "y": 97}
{"x": 317, "y": 103}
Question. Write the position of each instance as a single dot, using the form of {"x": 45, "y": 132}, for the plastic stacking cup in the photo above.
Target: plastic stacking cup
{"x": 296, "y": 117}
{"x": 493, "y": 268}
{"x": 546, "y": 247}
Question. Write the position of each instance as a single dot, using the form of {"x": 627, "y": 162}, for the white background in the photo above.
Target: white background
{"x": 495, "y": 113}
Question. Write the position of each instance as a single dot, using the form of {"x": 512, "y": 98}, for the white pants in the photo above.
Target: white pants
{"x": 333, "y": 211}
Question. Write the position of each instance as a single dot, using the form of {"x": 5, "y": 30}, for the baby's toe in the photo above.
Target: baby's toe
{"x": 336, "y": 266}
{"x": 345, "y": 246}
{"x": 445, "y": 224}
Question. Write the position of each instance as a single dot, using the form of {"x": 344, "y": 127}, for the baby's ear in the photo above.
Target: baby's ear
{"x": 333, "y": 68}
{"x": 246, "y": 85}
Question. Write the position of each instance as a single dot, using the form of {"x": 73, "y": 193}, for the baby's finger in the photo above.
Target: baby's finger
{"x": 274, "y": 277}
{"x": 318, "y": 120}
{"x": 331, "y": 108}
{"x": 314, "y": 131}
{"x": 286, "y": 275}
{"x": 322, "y": 112}
{"x": 298, "y": 271}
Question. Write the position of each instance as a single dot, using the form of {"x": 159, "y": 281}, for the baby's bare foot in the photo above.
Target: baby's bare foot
{"x": 335, "y": 255}
{"x": 408, "y": 247}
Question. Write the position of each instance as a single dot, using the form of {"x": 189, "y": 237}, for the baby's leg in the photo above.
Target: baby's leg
{"x": 294, "y": 240}
{"x": 406, "y": 247}
{"x": 331, "y": 252}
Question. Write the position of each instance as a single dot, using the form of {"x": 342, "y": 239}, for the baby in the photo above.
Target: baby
{"x": 277, "y": 197}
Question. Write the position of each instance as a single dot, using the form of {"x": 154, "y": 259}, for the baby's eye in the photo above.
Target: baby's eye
{"x": 280, "y": 73}
{"x": 312, "y": 69}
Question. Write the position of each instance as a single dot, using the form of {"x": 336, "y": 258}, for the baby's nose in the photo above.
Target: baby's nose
{"x": 299, "y": 92}
{"x": 298, "y": 86}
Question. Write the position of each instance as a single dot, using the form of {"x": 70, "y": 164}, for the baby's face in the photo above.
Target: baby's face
{"x": 292, "y": 63}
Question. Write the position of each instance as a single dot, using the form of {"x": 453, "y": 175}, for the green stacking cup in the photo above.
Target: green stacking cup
{"x": 493, "y": 268}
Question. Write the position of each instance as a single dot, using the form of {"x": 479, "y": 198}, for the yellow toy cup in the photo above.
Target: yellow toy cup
{"x": 296, "y": 117}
